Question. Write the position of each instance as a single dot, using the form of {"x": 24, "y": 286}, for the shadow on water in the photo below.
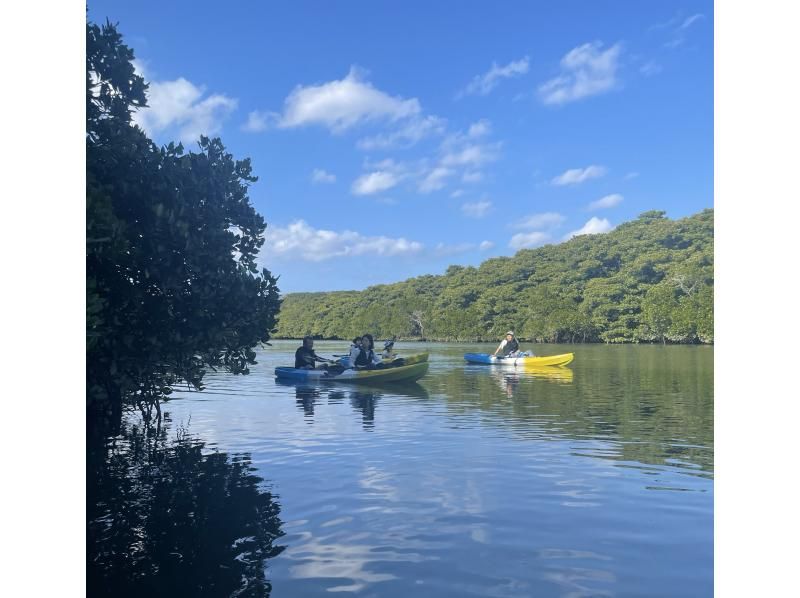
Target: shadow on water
{"x": 166, "y": 517}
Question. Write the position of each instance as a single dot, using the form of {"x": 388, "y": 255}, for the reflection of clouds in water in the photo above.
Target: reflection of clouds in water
{"x": 323, "y": 559}
{"x": 566, "y": 553}
{"x": 573, "y": 580}
{"x": 430, "y": 499}
{"x": 581, "y": 492}
{"x": 376, "y": 483}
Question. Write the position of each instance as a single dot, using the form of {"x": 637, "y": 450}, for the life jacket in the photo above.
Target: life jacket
{"x": 364, "y": 357}
{"x": 511, "y": 346}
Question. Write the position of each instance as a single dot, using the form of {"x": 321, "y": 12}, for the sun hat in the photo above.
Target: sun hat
{"x": 511, "y": 332}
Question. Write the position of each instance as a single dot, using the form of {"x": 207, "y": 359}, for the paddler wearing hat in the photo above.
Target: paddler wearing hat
{"x": 509, "y": 346}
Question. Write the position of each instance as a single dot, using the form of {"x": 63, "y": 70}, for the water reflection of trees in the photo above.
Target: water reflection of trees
{"x": 656, "y": 408}
{"x": 168, "y": 517}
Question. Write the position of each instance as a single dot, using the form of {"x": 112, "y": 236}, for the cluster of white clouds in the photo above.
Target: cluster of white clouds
{"x": 585, "y": 71}
{"x": 677, "y": 28}
{"x": 299, "y": 241}
{"x": 460, "y": 157}
{"x": 409, "y": 134}
{"x": 540, "y": 229}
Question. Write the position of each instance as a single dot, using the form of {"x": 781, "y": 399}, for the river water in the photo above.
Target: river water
{"x": 592, "y": 480}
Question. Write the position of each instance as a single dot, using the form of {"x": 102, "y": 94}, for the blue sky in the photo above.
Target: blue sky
{"x": 392, "y": 140}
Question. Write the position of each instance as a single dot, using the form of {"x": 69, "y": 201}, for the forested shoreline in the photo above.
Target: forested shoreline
{"x": 648, "y": 280}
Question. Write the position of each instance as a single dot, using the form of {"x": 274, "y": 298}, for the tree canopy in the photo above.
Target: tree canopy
{"x": 171, "y": 245}
{"x": 649, "y": 280}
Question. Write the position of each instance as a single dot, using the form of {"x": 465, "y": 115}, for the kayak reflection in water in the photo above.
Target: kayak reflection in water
{"x": 509, "y": 347}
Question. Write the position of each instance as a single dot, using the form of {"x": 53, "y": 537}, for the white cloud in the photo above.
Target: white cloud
{"x": 435, "y": 179}
{"x": 527, "y": 240}
{"x": 179, "y": 107}
{"x": 259, "y": 121}
{"x": 374, "y": 182}
{"x": 480, "y": 128}
{"x": 344, "y": 103}
{"x": 485, "y": 83}
{"x": 472, "y": 177}
{"x": 543, "y": 220}
{"x": 477, "y": 209}
{"x": 457, "y": 193}
{"x": 575, "y": 176}
{"x": 416, "y": 129}
{"x": 630, "y": 175}
{"x": 485, "y": 245}
{"x": 585, "y": 71}
{"x": 650, "y": 68}
{"x": 688, "y": 22}
{"x": 470, "y": 155}
{"x": 301, "y": 241}
{"x": 608, "y": 201}
{"x": 677, "y": 27}
{"x": 594, "y": 226}
{"x": 321, "y": 176}
{"x": 460, "y": 154}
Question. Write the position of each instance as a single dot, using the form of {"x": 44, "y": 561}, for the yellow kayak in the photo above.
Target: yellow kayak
{"x": 404, "y": 373}
{"x": 548, "y": 360}
{"x": 408, "y": 359}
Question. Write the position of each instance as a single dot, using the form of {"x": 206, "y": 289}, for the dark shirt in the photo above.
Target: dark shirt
{"x": 510, "y": 347}
{"x": 365, "y": 357}
{"x": 305, "y": 358}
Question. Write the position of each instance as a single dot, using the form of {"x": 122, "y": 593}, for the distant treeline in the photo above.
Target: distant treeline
{"x": 649, "y": 280}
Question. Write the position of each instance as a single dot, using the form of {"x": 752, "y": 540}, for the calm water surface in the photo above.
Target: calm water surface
{"x": 596, "y": 480}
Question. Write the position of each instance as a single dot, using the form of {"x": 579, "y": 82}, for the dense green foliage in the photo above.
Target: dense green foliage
{"x": 171, "y": 242}
{"x": 649, "y": 280}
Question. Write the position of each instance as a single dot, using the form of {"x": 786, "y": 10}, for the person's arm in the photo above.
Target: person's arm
{"x": 318, "y": 358}
{"x": 353, "y": 356}
{"x": 502, "y": 344}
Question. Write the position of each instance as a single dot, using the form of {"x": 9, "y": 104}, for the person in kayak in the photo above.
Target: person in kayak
{"x": 509, "y": 346}
{"x": 305, "y": 358}
{"x": 366, "y": 358}
{"x": 355, "y": 350}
